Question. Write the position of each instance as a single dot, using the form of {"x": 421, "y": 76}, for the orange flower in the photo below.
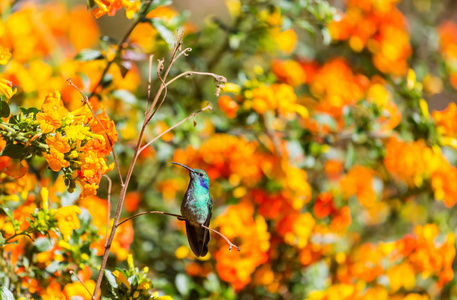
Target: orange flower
{"x": 324, "y": 205}
{"x": 6, "y": 88}
{"x": 378, "y": 26}
{"x": 335, "y": 86}
{"x": 223, "y": 155}
{"x": 161, "y": 127}
{"x": 58, "y": 142}
{"x": 49, "y": 121}
{"x": 132, "y": 200}
{"x": 228, "y": 106}
{"x": 110, "y": 7}
{"x": 333, "y": 169}
{"x": 68, "y": 220}
{"x": 237, "y": 267}
{"x": 296, "y": 229}
{"x": 78, "y": 290}
{"x": 285, "y": 40}
{"x": 401, "y": 275}
{"x": 109, "y": 126}
{"x": 56, "y": 160}
{"x": 5, "y": 55}
{"x": 359, "y": 182}
{"x": 289, "y": 72}
{"x": 445, "y": 120}
{"x": 98, "y": 209}
{"x": 53, "y": 103}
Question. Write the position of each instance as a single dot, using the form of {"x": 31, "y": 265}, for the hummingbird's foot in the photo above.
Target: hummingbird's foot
{"x": 226, "y": 239}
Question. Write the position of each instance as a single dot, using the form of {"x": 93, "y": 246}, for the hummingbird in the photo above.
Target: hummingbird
{"x": 196, "y": 209}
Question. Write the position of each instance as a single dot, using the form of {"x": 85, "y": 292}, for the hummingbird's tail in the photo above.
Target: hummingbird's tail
{"x": 198, "y": 238}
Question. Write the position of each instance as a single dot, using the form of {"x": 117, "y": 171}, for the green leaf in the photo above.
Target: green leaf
{"x": 5, "y": 294}
{"x": 53, "y": 267}
{"x": 2, "y": 240}
{"x": 15, "y": 151}
{"x": 30, "y": 110}
{"x": 90, "y": 4}
{"x": 124, "y": 66}
{"x": 42, "y": 244}
{"x": 110, "y": 279}
{"x": 350, "y": 157}
{"x": 125, "y": 96}
{"x": 88, "y": 55}
{"x": 164, "y": 32}
{"x": 8, "y": 212}
{"x": 182, "y": 284}
{"x": 4, "y": 110}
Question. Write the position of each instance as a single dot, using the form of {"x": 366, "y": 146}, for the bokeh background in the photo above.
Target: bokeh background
{"x": 331, "y": 150}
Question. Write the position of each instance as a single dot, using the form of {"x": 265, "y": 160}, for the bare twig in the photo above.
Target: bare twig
{"x": 149, "y": 212}
{"x": 74, "y": 274}
{"x": 120, "y": 46}
{"x": 176, "y": 125}
{"x": 225, "y": 238}
{"x": 109, "y": 205}
{"x": 220, "y": 81}
{"x": 181, "y": 218}
{"x": 86, "y": 100}
{"x": 149, "y": 81}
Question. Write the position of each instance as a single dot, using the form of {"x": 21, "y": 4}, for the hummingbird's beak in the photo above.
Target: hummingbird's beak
{"x": 175, "y": 163}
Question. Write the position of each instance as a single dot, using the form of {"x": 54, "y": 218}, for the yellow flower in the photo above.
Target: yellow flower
{"x": 58, "y": 142}
{"x": 6, "y": 88}
{"x": 120, "y": 278}
{"x": 53, "y": 102}
{"x": 56, "y": 160}
{"x": 49, "y": 121}
{"x": 131, "y": 7}
{"x": 401, "y": 275}
{"x": 44, "y": 198}
{"x": 5, "y": 55}
{"x": 67, "y": 220}
{"x": 77, "y": 132}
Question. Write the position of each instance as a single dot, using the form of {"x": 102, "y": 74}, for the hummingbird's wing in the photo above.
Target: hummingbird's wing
{"x": 192, "y": 237}
{"x": 206, "y": 236}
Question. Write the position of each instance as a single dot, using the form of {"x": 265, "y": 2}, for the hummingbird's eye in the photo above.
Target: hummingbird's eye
{"x": 201, "y": 174}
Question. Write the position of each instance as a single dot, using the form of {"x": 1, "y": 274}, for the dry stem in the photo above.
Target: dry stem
{"x": 109, "y": 206}
{"x": 176, "y": 125}
{"x": 181, "y": 218}
{"x": 74, "y": 274}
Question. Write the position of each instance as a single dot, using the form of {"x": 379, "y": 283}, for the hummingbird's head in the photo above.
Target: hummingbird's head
{"x": 196, "y": 175}
{"x": 201, "y": 176}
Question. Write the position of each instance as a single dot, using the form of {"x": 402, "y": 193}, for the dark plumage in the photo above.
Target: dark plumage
{"x": 196, "y": 209}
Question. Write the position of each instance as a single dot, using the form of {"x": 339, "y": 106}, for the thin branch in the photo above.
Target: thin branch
{"x": 120, "y": 46}
{"x": 73, "y": 273}
{"x": 150, "y": 212}
{"x": 181, "y": 218}
{"x": 149, "y": 81}
{"x": 221, "y": 80}
{"x": 226, "y": 239}
{"x": 185, "y": 52}
{"x": 25, "y": 232}
{"x": 176, "y": 125}
{"x": 109, "y": 206}
{"x": 86, "y": 100}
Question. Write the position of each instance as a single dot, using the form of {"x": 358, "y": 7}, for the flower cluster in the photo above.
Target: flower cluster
{"x": 378, "y": 26}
